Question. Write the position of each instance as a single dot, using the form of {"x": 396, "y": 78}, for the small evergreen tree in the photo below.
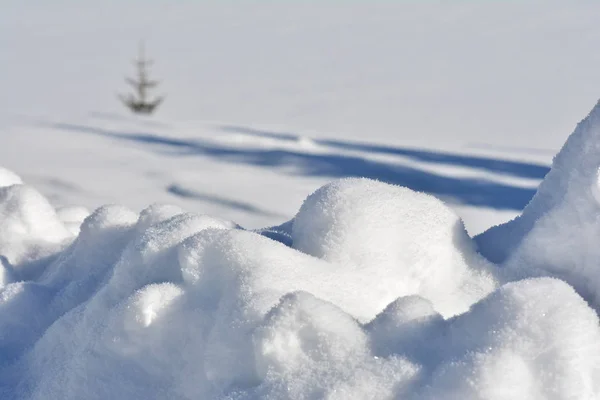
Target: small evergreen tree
{"x": 139, "y": 102}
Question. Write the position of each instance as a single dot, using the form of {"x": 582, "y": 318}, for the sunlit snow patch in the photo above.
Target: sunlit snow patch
{"x": 371, "y": 291}
{"x": 557, "y": 233}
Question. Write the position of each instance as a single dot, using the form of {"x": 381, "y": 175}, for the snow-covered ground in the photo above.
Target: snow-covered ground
{"x": 373, "y": 289}
{"x": 255, "y": 176}
{"x": 501, "y": 81}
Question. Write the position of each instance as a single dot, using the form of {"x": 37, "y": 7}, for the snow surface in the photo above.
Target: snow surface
{"x": 268, "y": 101}
{"x": 373, "y": 288}
{"x": 411, "y": 236}
{"x": 556, "y": 232}
{"x": 371, "y": 291}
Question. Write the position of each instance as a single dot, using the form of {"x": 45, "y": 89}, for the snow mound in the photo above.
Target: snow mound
{"x": 371, "y": 291}
{"x": 533, "y": 339}
{"x": 31, "y": 229}
{"x": 304, "y": 339}
{"x": 400, "y": 240}
{"x": 557, "y": 231}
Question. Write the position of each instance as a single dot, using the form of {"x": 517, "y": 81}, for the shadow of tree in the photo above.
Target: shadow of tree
{"x": 184, "y": 192}
{"x": 476, "y": 192}
{"x": 506, "y": 167}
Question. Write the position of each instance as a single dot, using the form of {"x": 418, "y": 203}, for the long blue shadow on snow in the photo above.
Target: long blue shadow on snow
{"x": 187, "y": 193}
{"x": 506, "y": 167}
{"x": 474, "y": 192}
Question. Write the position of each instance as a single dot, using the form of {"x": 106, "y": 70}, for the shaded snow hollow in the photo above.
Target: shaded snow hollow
{"x": 372, "y": 291}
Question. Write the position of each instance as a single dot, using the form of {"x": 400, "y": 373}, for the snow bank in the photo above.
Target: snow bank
{"x": 371, "y": 291}
{"x": 557, "y": 231}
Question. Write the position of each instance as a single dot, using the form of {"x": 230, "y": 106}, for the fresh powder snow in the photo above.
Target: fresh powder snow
{"x": 307, "y": 216}
{"x": 371, "y": 291}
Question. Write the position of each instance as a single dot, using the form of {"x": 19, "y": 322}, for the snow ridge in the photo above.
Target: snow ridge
{"x": 556, "y": 232}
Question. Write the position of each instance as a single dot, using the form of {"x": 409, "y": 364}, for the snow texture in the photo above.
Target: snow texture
{"x": 383, "y": 231}
{"x": 372, "y": 291}
{"x": 557, "y": 231}
{"x": 31, "y": 230}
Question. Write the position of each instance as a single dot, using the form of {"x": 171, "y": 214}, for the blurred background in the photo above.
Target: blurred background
{"x": 266, "y": 101}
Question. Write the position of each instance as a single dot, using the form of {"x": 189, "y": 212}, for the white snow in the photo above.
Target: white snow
{"x": 556, "y": 232}
{"x": 466, "y": 79}
{"x": 297, "y": 221}
{"x": 72, "y": 217}
{"x": 533, "y": 339}
{"x": 30, "y": 230}
{"x": 8, "y": 178}
{"x": 376, "y": 291}
{"x": 400, "y": 241}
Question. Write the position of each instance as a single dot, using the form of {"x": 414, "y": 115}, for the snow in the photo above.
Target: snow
{"x": 72, "y": 217}
{"x": 31, "y": 229}
{"x": 268, "y": 102}
{"x": 6, "y": 273}
{"x": 377, "y": 291}
{"x": 533, "y": 339}
{"x": 299, "y": 219}
{"x": 403, "y": 242}
{"x": 555, "y": 233}
{"x": 8, "y": 178}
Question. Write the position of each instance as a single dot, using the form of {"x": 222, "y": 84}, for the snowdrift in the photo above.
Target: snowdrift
{"x": 557, "y": 232}
{"x": 371, "y": 291}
